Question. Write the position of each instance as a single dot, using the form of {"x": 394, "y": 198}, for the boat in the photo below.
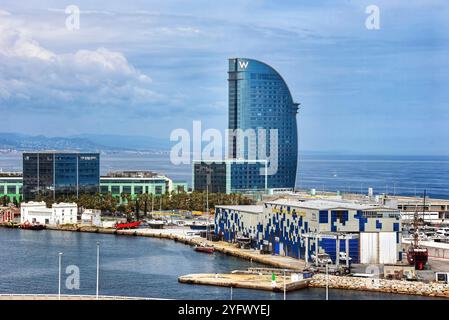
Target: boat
{"x": 156, "y": 224}
{"x": 32, "y": 226}
{"x": 127, "y": 225}
{"x": 416, "y": 254}
{"x": 204, "y": 248}
{"x": 197, "y": 225}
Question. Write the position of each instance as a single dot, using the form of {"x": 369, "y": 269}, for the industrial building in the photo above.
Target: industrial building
{"x": 369, "y": 233}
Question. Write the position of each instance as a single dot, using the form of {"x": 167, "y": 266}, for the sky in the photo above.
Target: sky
{"x": 149, "y": 67}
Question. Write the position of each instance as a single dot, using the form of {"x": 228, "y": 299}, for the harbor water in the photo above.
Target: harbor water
{"x": 400, "y": 175}
{"x": 129, "y": 266}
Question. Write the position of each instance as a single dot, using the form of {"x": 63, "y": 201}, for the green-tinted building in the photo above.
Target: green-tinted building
{"x": 116, "y": 183}
{"x": 11, "y": 186}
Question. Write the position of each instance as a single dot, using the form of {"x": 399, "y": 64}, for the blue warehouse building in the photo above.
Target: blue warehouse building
{"x": 367, "y": 232}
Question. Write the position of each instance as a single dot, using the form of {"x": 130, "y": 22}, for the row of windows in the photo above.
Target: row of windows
{"x": 128, "y": 190}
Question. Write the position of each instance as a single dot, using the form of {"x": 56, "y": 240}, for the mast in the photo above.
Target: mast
{"x": 415, "y": 227}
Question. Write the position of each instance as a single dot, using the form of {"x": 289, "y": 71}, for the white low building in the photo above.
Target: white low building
{"x": 64, "y": 213}
{"x": 35, "y": 212}
{"x": 91, "y": 217}
{"x": 59, "y": 213}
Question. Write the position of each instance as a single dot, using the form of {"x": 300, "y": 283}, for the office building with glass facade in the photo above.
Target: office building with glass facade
{"x": 230, "y": 176}
{"x": 60, "y": 174}
{"x": 260, "y": 99}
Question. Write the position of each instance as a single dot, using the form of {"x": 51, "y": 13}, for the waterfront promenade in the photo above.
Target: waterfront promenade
{"x": 182, "y": 235}
{"x": 68, "y": 297}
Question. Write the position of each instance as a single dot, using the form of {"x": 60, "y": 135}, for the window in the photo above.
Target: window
{"x": 127, "y": 189}
{"x": 115, "y": 189}
{"x": 138, "y": 189}
{"x": 158, "y": 190}
{"x": 11, "y": 189}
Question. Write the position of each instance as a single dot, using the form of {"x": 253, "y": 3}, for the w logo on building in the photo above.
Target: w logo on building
{"x": 243, "y": 64}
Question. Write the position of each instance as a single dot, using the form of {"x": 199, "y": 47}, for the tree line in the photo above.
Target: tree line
{"x": 143, "y": 204}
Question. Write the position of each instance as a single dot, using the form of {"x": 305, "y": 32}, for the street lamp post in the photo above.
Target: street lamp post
{"x": 98, "y": 268}
{"x": 59, "y": 277}
{"x": 285, "y": 289}
{"x": 327, "y": 281}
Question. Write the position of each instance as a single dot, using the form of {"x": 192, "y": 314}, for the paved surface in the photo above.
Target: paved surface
{"x": 249, "y": 281}
{"x": 67, "y": 297}
{"x": 439, "y": 264}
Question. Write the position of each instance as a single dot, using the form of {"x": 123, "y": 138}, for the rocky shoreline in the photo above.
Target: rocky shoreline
{"x": 382, "y": 285}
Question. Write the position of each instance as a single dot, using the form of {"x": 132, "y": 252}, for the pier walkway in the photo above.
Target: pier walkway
{"x": 68, "y": 297}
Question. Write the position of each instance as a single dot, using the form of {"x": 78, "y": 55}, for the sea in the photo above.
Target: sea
{"x": 393, "y": 175}
{"x": 145, "y": 267}
{"x": 129, "y": 266}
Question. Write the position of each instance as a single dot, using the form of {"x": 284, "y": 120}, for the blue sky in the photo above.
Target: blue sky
{"x": 148, "y": 67}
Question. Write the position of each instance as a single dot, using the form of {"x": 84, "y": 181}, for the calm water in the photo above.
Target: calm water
{"x": 131, "y": 266}
{"x": 386, "y": 174}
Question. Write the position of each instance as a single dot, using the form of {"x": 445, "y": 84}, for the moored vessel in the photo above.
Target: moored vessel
{"x": 32, "y": 226}
{"x": 416, "y": 254}
{"x": 204, "y": 248}
{"x": 127, "y": 225}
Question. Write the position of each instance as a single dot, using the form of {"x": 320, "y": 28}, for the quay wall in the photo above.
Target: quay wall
{"x": 432, "y": 289}
{"x": 222, "y": 247}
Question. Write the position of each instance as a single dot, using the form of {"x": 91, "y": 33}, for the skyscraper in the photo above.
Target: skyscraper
{"x": 260, "y": 99}
{"x": 57, "y": 174}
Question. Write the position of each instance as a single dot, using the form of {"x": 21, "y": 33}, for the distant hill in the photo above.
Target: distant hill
{"x": 85, "y": 142}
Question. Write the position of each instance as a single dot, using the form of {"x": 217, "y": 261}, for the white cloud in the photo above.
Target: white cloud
{"x": 31, "y": 76}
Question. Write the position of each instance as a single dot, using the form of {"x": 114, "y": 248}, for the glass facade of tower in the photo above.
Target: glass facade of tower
{"x": 230, "y": 176}
{"x": 260, "y": 99}
{"x": 59, "y": 174}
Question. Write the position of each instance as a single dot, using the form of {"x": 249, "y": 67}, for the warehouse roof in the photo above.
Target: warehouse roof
{"x": 320, "y": 204}
{"x": 244, "y": 208}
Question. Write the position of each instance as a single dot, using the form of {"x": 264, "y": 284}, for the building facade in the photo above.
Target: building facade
{"x": 369, "y": 233}
{"x": 230, "y": 176}
{"x": 116, "y": 185}
{"x": 59, "y": 213}
{"x": 91, "y": 217}
{"x": 58, "y": 174}
{"x": 259, "y": 99}
{"x": 11, "y": 186}
{"x": 135, "y": 183}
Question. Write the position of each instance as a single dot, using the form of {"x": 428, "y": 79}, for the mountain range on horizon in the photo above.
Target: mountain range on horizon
{"x": 82, "y": 142}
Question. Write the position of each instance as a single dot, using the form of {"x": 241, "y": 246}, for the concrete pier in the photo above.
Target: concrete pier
{"x": 247, "y": 281}
{"x": 67, "y": 297}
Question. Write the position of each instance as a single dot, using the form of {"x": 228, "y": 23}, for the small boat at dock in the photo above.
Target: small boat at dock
{"x": 204, "y": 248}
{"x": 32, "y": 226}
{"x": 127, "y": 225}
{"x": 156, "y": 224}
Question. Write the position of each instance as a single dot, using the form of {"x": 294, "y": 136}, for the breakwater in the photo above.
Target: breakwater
{"x": 381, "y": 285}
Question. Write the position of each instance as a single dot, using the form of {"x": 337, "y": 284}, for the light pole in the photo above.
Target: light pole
{"x": 285, "y": 291}
{"x": 98, "y": 268}
{"x": 59, "y": 277}
{"x": 327, "y": 281}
